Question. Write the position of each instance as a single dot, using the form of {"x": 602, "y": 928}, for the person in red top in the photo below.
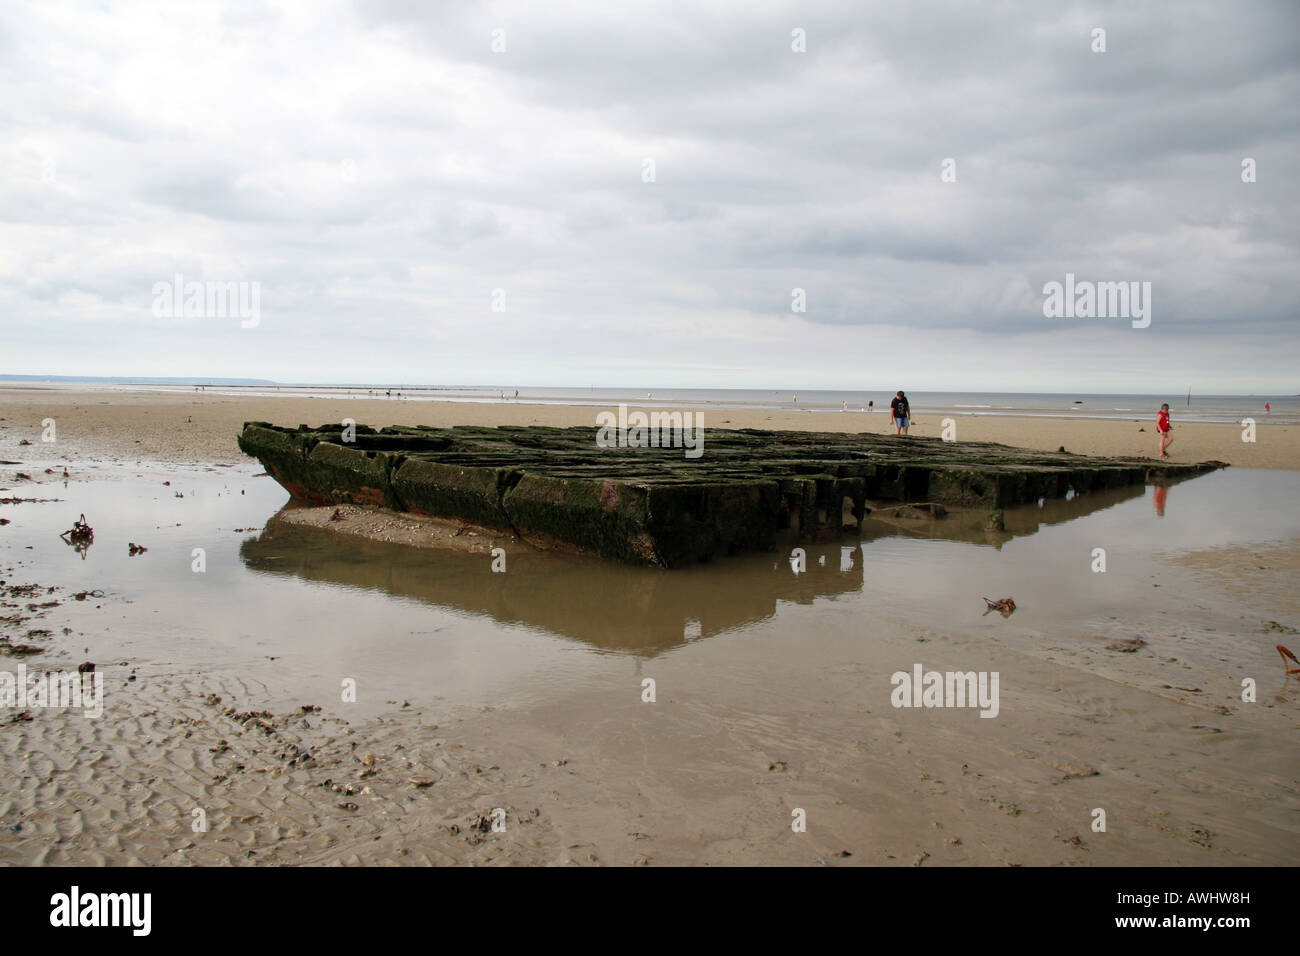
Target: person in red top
{"x": 1164, "y": 428}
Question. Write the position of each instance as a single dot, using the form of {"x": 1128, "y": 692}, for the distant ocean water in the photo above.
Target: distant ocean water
{"x": 1203, "y": 408}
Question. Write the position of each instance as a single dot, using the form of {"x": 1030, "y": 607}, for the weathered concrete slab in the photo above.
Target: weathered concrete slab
{"x": 749, "y": 490}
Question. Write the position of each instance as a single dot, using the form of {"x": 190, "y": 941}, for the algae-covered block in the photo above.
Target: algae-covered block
{"x": 698, "y": 521}
{"x": 264, "y": 441}
{"x": 283, "y": 455}
{"x": 652, "y": 505}
{"x": 349, "y": 474}
{"x": 604, "y": 516}
{"x": 450, "y": 491}
{"x": 745, "y": 516}
{"x": 963, "y": 487}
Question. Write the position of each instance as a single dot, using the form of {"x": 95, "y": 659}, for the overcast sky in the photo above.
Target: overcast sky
{"x": 379, "y": 169}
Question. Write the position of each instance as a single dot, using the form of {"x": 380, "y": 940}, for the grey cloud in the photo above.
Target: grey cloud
{"x": 380, "y": 170}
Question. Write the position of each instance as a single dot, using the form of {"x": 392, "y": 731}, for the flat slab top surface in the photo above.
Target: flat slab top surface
{"x": 727, "y": 454}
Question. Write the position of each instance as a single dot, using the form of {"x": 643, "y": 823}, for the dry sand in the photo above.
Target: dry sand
{"x": 711, "y": 772}
{"x": 166, "y": 427}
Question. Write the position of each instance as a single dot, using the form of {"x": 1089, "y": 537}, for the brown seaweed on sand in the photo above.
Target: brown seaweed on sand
{"x": 1286, "y": 653}
{"x": 1004, "y": 606}
{"x": 81, "y": 536}
{"x": 1126, "y": 645}
{"x": 80, "y": 533}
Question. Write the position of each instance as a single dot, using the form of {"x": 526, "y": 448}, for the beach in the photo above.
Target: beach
{"x": 202, "y": 426}
{"x": 506, "y": 719}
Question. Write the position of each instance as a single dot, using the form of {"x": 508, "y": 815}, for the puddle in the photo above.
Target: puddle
{"x": 298, "y": 608}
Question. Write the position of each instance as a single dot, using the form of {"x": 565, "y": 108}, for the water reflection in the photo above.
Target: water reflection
{"x": 972, "y": 527}
{"x": 300, "y": 606}
{"x": 610, "y": 606}
{"x": 616, "y": 607}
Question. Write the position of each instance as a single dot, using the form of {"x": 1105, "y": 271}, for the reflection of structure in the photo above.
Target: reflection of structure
{"x": 619, "y": 607}
{"x": 747, "y": 491}
{"x": 971, "y": 527}
{"x": 611, "y": 606}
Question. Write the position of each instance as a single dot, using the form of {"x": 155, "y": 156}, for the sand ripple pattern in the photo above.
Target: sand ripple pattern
{"x": 122, "y": 789}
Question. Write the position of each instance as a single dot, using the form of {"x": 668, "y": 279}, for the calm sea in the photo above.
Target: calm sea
{"x": 1206, "y": 408}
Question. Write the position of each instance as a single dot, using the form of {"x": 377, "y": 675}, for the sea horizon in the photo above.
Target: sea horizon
{"x": 1221, "y": 408}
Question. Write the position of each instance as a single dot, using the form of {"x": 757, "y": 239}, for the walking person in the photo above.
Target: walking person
{"x": 1164, "y": 428}
{"x": 900, "y": 413}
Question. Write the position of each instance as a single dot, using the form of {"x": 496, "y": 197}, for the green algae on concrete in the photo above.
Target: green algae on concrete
{"x": 749, "y": 491}
{"x": 449, "y": 490}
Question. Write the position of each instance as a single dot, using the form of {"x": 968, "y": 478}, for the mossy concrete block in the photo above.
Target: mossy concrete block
{"x": 283, "y": 455}
{"x": 697, "y": 522}
{"x": 349, "y": 474}
{"x": 653, "y": 505}
{"x": 603, "y": 516}
{"x": 450, "y": 491}
{"x": 964, "y": 487}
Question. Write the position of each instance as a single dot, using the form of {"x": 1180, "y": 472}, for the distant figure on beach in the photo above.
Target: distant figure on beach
{"x": 516, "y": 395}
{"x": 796, "y": 398}
{"x": 901, "y": 413}
{"x": 1164, "y": 428}
{"x": 871, "y": 405}
{"x": 1267, "y": 407}
{"x": 844, "y": 406}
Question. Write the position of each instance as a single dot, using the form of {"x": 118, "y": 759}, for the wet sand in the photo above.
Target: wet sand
{"x": 523, "y": 691}
{"x": 163, "y": 427}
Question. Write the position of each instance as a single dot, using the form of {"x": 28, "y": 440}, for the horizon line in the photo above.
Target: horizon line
{"x": 235, "y": 382}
